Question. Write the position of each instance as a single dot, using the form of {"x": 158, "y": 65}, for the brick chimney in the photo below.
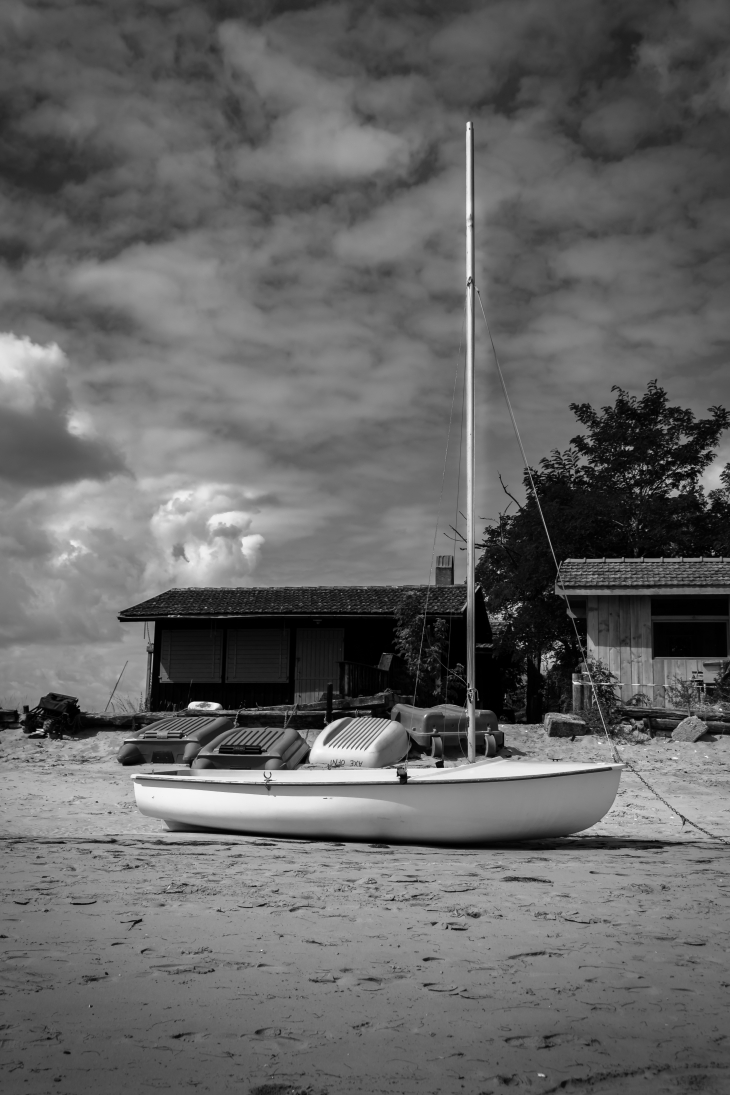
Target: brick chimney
{"x": 444, "y": 570}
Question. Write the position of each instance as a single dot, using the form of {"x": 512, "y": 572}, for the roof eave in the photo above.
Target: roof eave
{"x": 639, "y": 591}
{"x": 456, "y": 614}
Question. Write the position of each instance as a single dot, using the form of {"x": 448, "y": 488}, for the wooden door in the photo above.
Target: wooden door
{"x": 319, "y": 653}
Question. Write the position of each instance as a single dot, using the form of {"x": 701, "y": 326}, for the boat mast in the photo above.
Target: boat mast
{"x": 470, "y": 463}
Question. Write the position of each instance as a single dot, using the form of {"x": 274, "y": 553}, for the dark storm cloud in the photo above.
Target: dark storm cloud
{"x": 42, "y": 439}
{"x": 265, "y": 202}
{"x": 39, "y": 451}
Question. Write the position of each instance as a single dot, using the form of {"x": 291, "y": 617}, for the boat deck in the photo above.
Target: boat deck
{"x": 486, "y": 770}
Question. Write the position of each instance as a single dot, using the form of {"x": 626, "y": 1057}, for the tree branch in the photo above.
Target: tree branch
{"x": 509, "y": 494}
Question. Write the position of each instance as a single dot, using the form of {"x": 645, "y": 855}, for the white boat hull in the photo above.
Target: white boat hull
{"x": 487, "y": 802}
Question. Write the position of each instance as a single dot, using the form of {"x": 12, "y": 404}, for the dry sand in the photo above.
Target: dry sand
{"x": 136, "y": 959}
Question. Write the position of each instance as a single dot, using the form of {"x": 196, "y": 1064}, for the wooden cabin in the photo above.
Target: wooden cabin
{"x": 652, "y": 621}
{"x": 258, "y": 646}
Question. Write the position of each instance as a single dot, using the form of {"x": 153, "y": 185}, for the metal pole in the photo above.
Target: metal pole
{"x": 148, "y": 689}
{"x": 116, "y": 685}
{"x": 470, "y": 463}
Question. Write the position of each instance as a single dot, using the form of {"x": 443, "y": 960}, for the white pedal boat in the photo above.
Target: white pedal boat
{"x": 360, "y": 743}
{"x": 488, "y": 802}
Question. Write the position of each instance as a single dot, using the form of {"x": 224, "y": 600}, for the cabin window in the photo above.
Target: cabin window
{"x": 190, "y": 656}
{"x": 257, "y": 655}
{"x": 695, "y": 639}
{"x": 689, "y": 606}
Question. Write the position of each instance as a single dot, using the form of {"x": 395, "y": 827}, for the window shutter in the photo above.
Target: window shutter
{"x": 258, "y": 656}
{"x": 319, "y": 653}
{"x": 190, "y": 656}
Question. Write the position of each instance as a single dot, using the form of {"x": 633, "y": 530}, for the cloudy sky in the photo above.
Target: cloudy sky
{"x": 231, "y": 281}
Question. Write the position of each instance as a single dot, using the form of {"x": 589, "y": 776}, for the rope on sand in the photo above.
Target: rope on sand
{"x": 685, "y": 820}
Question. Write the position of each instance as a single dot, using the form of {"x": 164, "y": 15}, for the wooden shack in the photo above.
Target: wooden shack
{"x": 653, "y": 622}
{"x": 258, "y": 646}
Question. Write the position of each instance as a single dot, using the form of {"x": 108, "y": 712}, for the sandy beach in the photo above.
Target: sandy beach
{"x": 137, "y": 958}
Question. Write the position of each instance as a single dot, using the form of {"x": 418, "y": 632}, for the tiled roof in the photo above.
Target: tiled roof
{"x": 645, "y": 573}
{"x": 294, "y": 601}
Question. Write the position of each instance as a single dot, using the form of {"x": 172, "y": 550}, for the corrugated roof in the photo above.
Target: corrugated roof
{"x": 294, "y": 601}
{"x": 645, "y": 573}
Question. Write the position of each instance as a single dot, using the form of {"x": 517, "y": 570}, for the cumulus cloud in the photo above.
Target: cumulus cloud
{"x": 204, "y": 539}
{"x": 30, "y": 375}
{"x": 74, "y": 555}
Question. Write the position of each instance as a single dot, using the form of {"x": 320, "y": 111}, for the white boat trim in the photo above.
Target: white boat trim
{"x": 361, "y": 777}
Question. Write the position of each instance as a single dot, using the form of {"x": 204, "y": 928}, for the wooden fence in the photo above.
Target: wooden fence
{"x": 362, "y": 680}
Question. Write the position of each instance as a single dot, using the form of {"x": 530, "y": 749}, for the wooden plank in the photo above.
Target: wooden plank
{"x": 603, "y": 641}
{"x": 659, "y": 681}
{"x": 614, "y": 636}
{"x": 676, "y": 714}
{"x": 644, "y": 647}
{"x": 635, "y": 638}
{"x": 592, "y": 626}
{"x": 604, "y": 628}
{"x": 624, "y": 652}
{"x": 675, "y": 668}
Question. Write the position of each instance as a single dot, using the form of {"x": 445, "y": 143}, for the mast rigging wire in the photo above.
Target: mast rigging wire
{"x": 438, "y": 511}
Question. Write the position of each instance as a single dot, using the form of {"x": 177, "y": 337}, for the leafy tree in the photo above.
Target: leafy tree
{"x": 630, "y": 485}
{"x": 423, "y": 647}
{"x": 643, "y": 460}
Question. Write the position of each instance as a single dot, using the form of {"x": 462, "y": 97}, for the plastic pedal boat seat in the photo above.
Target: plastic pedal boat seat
{"x": 360, "y": 743}
{"x": 174, "y": 740}
{"x": 447, "y": 722}
{"x": 254, "y": 747}
{"x": 164, "y": 732}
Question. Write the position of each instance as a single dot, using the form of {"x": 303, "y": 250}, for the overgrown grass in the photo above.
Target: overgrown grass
{"x": 127, "y": 705}
{"x": 603, "y": 714}
{"x": 13, "y": 703}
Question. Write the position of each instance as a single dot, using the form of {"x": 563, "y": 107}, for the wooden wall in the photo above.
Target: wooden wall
{"x": 619, "y": 634}
{"x": 667, "y": 668}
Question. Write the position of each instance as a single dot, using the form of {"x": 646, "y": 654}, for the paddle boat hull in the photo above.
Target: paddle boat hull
{"x": 488, "y": 802}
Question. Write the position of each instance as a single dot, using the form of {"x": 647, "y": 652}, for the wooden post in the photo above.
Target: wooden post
{"x": 328, "y": 714}
{"x": 577, "y": 693}
{"x": 148, "y": 690}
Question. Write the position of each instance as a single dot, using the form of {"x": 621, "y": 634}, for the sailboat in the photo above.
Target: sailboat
{"x": 483, "y": 801}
